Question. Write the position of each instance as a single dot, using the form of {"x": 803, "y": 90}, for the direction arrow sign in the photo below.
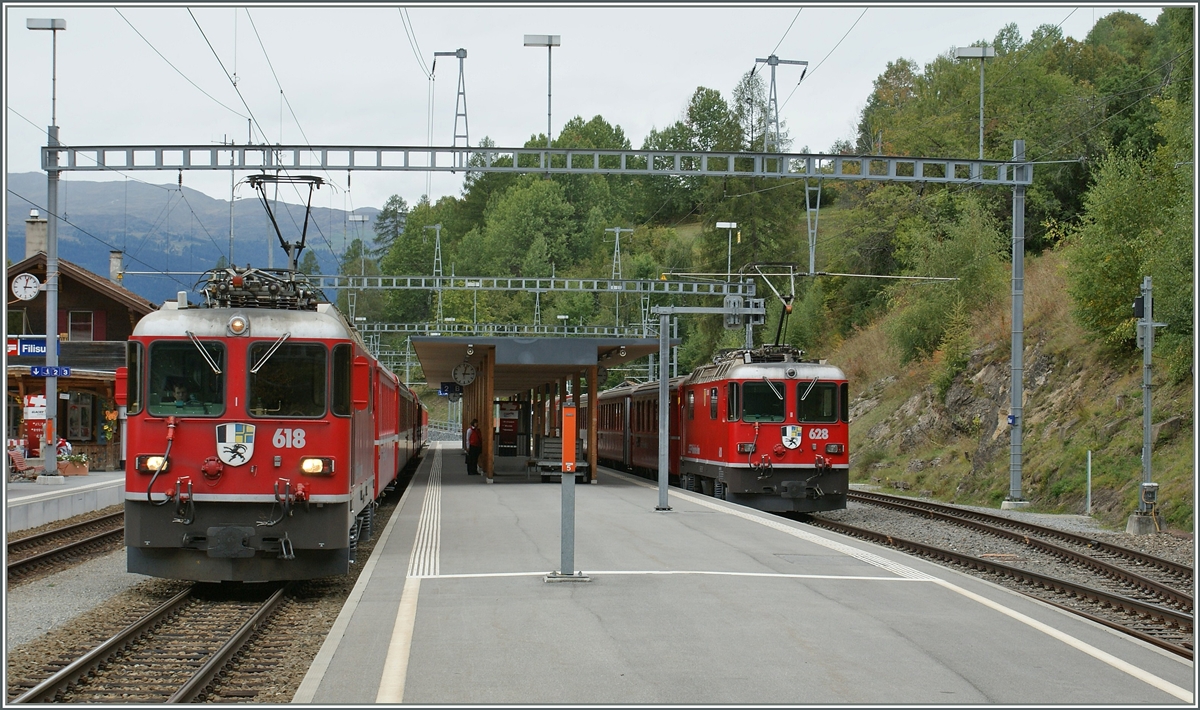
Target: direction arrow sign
{"x": 49, "y": 371}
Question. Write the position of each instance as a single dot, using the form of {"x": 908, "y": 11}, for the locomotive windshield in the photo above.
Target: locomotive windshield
{"x": 761, "y": 401}
{"x": 183, "y": 379}
{"x": 821, "y": 403}
{"x": 291, "y": 383}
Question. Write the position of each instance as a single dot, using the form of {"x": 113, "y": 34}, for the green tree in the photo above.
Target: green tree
{"x": 389, "y": 225}
{"x": 309, "y": 263}
{"x": 957, "y": 237}
{"x": 528, "y": 231}
{"x": 1138, "y": 221}
{"x": 368, "y": 303}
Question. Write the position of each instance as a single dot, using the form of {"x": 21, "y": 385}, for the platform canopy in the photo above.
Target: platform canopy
{"x": 522, "y": 364}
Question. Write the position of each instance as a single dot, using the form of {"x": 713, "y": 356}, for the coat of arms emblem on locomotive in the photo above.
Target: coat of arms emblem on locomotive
{"x": 791, "y": 435}
{"x": 235, "y": 443}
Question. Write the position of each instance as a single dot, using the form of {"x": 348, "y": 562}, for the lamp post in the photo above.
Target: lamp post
{"x": 728, "y": 254}
{"x": 979, "y": 53}
{"x": 53, "y": 25}
{"x": 549, "y": 42}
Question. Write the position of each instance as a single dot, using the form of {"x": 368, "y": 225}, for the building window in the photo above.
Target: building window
{"x": 17, "y": 322}
{"x": 80, "y": 326}
{"x": 79, "y": 417}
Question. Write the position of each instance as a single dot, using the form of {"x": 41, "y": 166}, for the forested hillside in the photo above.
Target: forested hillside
{"x": 1107, "y": 123}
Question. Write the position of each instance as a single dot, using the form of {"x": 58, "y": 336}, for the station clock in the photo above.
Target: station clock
{"x": 26, "y": 286}
{"x": 464, "y": 373}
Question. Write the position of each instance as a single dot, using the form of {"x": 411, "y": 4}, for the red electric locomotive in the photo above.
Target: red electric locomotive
{"x": 260, "y": 434}
{"x": 763, "y": 427}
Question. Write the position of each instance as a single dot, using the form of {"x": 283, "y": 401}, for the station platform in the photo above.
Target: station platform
{"x": 29, "y": 504}
{"x": 706, "y": 603}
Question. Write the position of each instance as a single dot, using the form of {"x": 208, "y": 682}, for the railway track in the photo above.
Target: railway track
{"x": 171, "y": 655}
{"x": 180, "y": 638}
{"x": 1131, "y": 591}
{"x": 46, "y": 551}
{"x": 1148, "y": 577}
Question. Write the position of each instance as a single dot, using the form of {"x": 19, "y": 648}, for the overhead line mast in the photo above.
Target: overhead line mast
{"x": 771, "y": 140}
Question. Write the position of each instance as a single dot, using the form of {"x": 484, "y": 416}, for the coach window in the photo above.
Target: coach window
{"x": 341, "y": 379}
{"x": 289, "y": 382}
{"x": 133, "y": 367}
{"x": 763, "y": 400}
{"x": 712, "y": 403}
{"x": 816, "y": 401}
{"x": 186, "y": 378}
{"x": 733, "y": 413}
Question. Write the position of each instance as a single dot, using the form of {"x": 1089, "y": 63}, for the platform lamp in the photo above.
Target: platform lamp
{"x": 53, "y": 25}
{"x": 979, "y": 53}
{"x": 729, "y": 253}
{"x": 549, "y": 42}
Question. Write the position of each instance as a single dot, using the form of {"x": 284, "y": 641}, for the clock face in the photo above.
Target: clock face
{"x": 25, "y": 287}
{"x": 464, "y": 373}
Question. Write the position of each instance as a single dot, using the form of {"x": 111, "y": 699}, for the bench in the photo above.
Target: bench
{"x": 548, "y": 459}
{"x": 20, "y": 466}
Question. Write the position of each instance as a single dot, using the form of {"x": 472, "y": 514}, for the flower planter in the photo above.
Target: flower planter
{"x": 67, "y": 468}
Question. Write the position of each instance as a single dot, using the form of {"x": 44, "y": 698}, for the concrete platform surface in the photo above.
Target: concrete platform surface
{"x": 29, "y": 504}
{"x": 709, "y": 602}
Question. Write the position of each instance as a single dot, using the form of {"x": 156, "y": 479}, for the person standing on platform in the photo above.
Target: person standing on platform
{"x": 474, "y": 448}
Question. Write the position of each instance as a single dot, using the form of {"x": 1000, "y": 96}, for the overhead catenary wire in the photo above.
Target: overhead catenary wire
{"x": 81, "y": 230}
{"x": 412, "y": 41}
{"x": 814, "y": 69}
{"x": 785, "y": 33}
{"x": 283, "y": 95}
{"x": 262, "y": 132}
{"x": 177, "y": 70}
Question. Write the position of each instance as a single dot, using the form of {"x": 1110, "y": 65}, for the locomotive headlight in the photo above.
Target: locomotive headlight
{"x": 151, "y": 464}
{"x": 746, "y": 447}
{"x": 238, "y": 325}
{"x": 316, "y": 466}
{"x": 835, "y": 448}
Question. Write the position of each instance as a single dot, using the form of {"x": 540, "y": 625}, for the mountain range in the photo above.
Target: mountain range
{"x": 172, "y": 232}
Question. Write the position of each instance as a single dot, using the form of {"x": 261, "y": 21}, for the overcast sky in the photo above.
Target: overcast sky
{"x": 351, "y": 75}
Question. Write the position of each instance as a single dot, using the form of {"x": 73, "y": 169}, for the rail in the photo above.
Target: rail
{"x": 1168, "y": 618}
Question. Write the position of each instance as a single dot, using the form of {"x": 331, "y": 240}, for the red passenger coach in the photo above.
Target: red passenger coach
{"x": 260, "y": 434}
{"x": 764, "y": 428}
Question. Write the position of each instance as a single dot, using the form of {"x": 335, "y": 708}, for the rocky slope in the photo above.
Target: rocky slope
{"x": 1077, "y": 398}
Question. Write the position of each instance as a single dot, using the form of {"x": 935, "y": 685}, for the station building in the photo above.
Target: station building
{"x": 95, "y": 317}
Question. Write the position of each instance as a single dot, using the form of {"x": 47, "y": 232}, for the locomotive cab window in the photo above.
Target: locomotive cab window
{"x": 185, "y": 378}
{"x": 712, "y": 403}
{"x": 733, "y": 413}
{"x": 133, "y": 365}
{"x": 290, "y": 382}
{"x": 763, "y": 401}
{"x": 341, "y": 379}
{"x": 820, "y": 404}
